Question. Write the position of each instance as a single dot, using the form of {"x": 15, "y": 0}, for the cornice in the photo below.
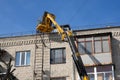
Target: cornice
{"x": 19, "y": 43}
{"x": 27, "y": 42}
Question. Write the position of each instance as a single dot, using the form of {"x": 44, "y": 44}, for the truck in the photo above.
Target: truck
{"x": 47, "y": 25}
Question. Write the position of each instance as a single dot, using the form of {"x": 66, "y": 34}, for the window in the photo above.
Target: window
{"x": 62, "y": 78}
{"x": 81, "y": 47}
{"x": 22, "y": 58}
{"x": 85, "y": 45}
{"x": 105, "y": 46}
{"x": 88, "y": 47}
{"x": 94, "y": 44}
{"x": 57, "y": 56}
{"x": 101, "y": 72}
{"x": 91, "y": 76}
{"x": 101, "y": 44}
{"x": 97, "y": 44}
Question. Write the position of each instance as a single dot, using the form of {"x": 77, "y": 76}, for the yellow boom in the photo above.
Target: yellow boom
{"x": 46, "y": 27}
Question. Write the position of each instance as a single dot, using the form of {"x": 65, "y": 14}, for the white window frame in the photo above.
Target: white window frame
{"x": 25, "y": 60}
{"x": 95, "y": 73}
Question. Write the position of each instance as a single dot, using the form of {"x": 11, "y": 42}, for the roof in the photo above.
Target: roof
{"x": 108, "y": 27}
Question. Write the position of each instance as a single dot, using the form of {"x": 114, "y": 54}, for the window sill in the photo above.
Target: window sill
{"x": 22, "y": 66}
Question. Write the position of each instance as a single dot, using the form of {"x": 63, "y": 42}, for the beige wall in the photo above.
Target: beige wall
{"x": 11, "y": 45}
{"x": 22, "y": 43}
{"x": 66, "y": 69}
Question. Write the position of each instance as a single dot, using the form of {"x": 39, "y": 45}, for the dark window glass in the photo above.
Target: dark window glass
{"x": 52, "y": 56}
{"x": 88, "y": 47}
{"x": 81, "y": 47}
{"x": 64, "y": 55}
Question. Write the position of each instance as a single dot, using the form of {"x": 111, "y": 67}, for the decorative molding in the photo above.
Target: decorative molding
{"x": 117, "y": 33}
{"x": 27, "y": 42}
{"x": 19, "y": 43}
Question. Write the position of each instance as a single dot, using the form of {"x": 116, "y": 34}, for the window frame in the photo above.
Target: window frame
{"x": 84, "y": 41}
{"x": 20, "y": 58}
{"x": 109, "y": 43}
{"x": 98, "y": 40}
{"x": 63, "y": 55}
{"x": 105, "y": 71}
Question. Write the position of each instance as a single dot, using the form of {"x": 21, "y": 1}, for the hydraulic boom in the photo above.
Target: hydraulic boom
{"x": 46, "y": 27}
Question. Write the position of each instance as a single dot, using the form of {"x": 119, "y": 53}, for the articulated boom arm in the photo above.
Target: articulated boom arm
{"x": 46, "y": 27}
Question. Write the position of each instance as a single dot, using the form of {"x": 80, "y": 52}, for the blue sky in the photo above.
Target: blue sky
{"x": 23, "y": 15}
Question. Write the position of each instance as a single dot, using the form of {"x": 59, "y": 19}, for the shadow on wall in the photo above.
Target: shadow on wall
{"x": 116, "y": 57}
{"x": 51, "y": 37}
{"x": 55, "y": 37}
{"x": 115, "y": 47}
{"x": 116, "y": 52}
{"x": 87, "y": 52}
{"x": 46, "y": 75}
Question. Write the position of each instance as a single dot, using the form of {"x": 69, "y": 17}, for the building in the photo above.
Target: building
{"x": 46, "y": 57}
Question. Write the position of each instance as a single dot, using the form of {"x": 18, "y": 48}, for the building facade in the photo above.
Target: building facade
{"x": 46, "y": 57}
